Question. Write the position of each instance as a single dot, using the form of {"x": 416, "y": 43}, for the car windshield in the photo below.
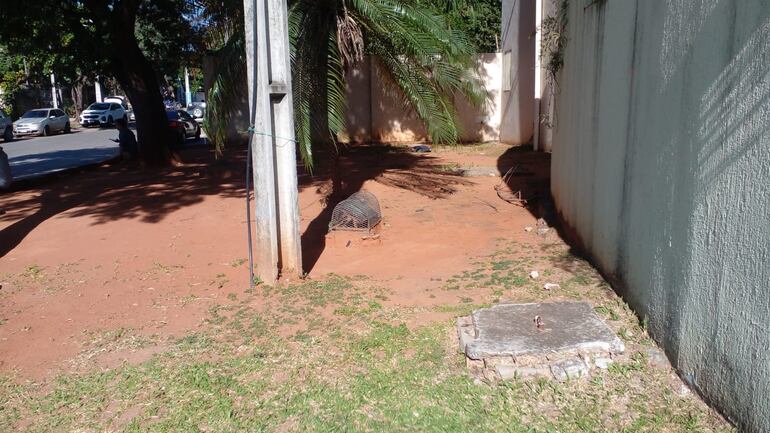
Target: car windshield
{"x": 172, "y": 115}
{"x": 35, "y": 114}
{"x": 98, "y": 106}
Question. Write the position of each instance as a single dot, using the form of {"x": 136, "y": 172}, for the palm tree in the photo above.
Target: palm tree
{"x": 221, "y": 24}
{"x": 413, "y": 46}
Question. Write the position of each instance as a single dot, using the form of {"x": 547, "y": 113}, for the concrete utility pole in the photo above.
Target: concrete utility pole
{"x": 53, "y": 91}
{"x": 538, "y": 73}
{"x": 272, "y": 143}
{"x": 187, "y": 94}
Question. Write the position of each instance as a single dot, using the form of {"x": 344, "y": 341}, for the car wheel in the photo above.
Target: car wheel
{"x": 198, "y": 133}
{"x": 110, "y": 121}
{"x": 8, "y": 134}
{"x": 67, "y": 128}
{"x": 198, "y": 112}
{"x": 46, "y": 131}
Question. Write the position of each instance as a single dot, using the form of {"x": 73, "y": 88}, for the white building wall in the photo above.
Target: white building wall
{"x": 661, "y": 167}
{"x": 518, "y": 97}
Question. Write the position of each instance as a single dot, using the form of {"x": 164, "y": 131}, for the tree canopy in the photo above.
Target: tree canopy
{"x": 417, "y": 49}
{"x": 134, "y": 41}
{"x": 70, "y": 46}
{"x": 478, "y": 19}
{"x": 424, "y": 48}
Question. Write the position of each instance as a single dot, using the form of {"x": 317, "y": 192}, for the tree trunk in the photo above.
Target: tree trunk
{"x": 338, "y": 187}
{"x": 141, "y": 87}
{"x": 78, "y": 91}
{"x": 136, "y": 76}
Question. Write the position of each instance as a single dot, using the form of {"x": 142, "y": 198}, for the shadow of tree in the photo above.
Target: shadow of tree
{"x": 122, "y": 191}
{"x": 29, "y": 165}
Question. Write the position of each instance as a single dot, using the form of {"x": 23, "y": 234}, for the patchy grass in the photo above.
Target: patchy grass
{"x": 449, "y": 168}
{"x": 332, "y": 355}
{"x": 34, "y": 272}
{"x": 219, "y": 280}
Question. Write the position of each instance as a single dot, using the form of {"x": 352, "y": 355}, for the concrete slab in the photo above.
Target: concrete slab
{"x": 561, "y": 340}
{"x": 569, "y": 369}
{"x": 511, "y": 330}
{"x": 479, "y": 172}
{"x": 465, "y": 331}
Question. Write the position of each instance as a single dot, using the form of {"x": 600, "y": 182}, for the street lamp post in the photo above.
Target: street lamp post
{"x": 98, "y": 89}
{"x": 53, "y": 90}
{"x": 187, "y": 94}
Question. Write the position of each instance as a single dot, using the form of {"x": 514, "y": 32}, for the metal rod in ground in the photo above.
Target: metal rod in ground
{"x": 248, "y": 215}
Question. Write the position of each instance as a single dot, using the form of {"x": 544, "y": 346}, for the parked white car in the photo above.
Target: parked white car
{"x": 122, "y": 100}
{"x": 43, "y": 121}
{"x": 102, "y": 113}
{"x": 116, "y": 99}
{"x": 6, "y": 126}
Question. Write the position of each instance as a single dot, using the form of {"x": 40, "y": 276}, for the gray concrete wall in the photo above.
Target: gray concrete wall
{"x": 548, "y": 89}
{"x": 661, "y": 166}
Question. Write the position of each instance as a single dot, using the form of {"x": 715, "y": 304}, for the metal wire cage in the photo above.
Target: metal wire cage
{"x": 359, "y": 212}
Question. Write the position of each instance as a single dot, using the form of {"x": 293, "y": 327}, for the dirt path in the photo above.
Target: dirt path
{"x": 152, "y": 251}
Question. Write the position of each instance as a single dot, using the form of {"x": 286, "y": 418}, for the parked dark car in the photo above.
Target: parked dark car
{"x": 197, "y": 110}
{"x": 183, "y": 125}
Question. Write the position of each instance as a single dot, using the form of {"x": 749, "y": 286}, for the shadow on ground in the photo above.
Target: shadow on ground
{"x": 396, "y": 167}
{"x": 29, "y": 165}
{"x": 528, "y": 172}
{"x": 122, "y": 190}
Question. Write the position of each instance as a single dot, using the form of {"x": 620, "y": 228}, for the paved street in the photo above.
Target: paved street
{"x": 36, "y": 156}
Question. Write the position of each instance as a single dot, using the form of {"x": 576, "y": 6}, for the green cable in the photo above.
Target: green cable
{"x": 251, "y": 130}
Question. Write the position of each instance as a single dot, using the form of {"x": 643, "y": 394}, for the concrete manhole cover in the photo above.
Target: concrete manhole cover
{"x": 558, "y": 339}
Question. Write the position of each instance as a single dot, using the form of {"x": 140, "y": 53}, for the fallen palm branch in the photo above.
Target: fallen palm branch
{"x": 505, "y": 192}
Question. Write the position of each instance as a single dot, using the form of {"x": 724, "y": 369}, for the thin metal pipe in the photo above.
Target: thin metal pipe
{"x": 248, "y": 214}
{"x": 249, "y": 173}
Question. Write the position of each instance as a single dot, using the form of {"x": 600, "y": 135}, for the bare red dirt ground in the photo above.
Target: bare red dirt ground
{"x": 152, "y": 250}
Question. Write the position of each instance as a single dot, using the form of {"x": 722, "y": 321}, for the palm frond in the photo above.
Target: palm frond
{"x": 428, "y": 62}
{"x": 317, "y": 75}
{"x": 336, "y": 103}
{"x": 416, "y": 50}
{"x": 229, "y": 74}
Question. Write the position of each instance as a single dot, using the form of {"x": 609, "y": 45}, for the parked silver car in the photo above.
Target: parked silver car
{"x": 43, "y": 121}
